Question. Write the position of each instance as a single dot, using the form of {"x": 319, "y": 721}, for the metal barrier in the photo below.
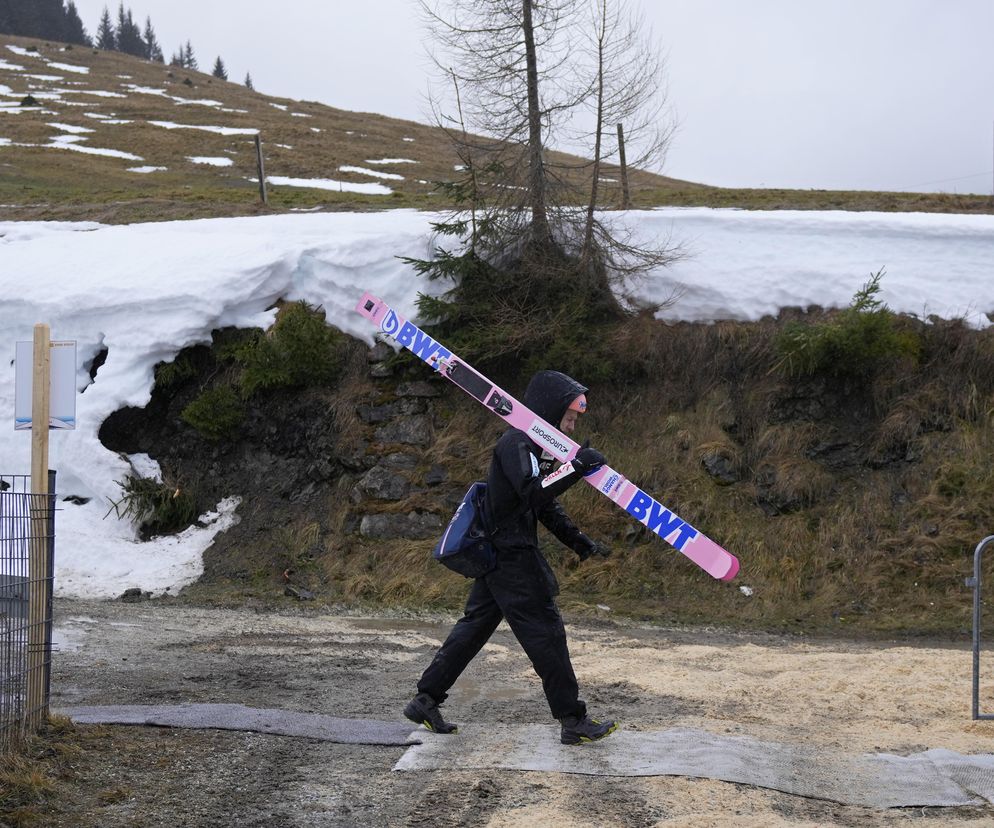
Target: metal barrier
{"x": 974, "y": 582}
{"x": 26, "y": 520}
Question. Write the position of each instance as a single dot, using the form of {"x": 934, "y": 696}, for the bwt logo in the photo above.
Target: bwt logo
{"x": 550, "y": 441}
{"x": 390, "y": 324}
{"x": 414, "y": 339}
{"x": 610, "y": 483}
{"x": 660, "y": 520}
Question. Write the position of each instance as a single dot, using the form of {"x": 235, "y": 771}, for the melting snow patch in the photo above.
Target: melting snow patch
{"x": 68, "y": 67}
{"x": 218, "y": 129}
{"x": 97, "y": 93}
{"x": 5, "y": 142}
{"x": 110, "y": 153}
{"x": 145, "y": 90}
{"x": 374, "y": 173}
{"x": 10, "y": 67}
{"x": 391, "y": 160}
{"x": 45, "y": 77}
{"x": 279, "y": 106}
{"x": 70, "y": 128}
{"x": 315, "y": 129}
{"x": 407, "y": 139}
{"x": 147, "y": 169}
{"x": 205, "y": 102}
{"x": 213, "y": 162}
{"x": 300, "y": 115}
{"x": 369, "y": 188}
{"x": 20, "y": 50}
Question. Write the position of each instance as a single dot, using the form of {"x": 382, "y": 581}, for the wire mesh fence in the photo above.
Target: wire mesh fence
{"x": 27, "y": 531}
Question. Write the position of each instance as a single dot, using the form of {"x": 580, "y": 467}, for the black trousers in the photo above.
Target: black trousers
{"x": 520, "y": 591}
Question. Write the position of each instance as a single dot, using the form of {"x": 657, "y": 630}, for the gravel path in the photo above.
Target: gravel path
{"x": 884, "y": 697}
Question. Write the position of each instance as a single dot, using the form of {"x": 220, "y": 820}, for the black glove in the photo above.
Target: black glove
{"x": 588, "y": 460}
{"x": 587, "y": 548}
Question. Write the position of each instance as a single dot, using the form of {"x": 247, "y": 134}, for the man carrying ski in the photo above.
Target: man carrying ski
{"x": 522, "y": 588}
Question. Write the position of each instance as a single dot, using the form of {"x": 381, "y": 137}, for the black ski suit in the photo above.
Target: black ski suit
{"x": 522, "y": 588}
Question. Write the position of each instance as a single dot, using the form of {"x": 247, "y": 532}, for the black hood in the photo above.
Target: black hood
{"x": 550, "y": 393}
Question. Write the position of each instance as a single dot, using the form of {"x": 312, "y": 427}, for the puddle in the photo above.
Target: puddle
{"x": 401, "y": 625}
{"x": 69, "y": 633}
{"x": 467, "y": 690}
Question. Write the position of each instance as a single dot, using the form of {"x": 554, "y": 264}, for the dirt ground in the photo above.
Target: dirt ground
{"x": 888, "y": 696}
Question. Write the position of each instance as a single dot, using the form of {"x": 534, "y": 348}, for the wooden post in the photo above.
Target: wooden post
{"x": 38, "y": 553}
{"x": 626, "y": 199}
{"x": 262, "y": 169}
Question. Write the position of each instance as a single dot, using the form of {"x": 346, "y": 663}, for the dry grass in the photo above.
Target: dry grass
{"x": 853, "y": 510}
{"x": 301, "y": 139}
{"x": 30, "y": 779}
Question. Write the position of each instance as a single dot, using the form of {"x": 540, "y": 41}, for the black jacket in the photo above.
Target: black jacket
{"x": 515, "y": 499}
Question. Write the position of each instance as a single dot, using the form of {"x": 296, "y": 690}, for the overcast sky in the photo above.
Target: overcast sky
{"x": 823, "y": 94}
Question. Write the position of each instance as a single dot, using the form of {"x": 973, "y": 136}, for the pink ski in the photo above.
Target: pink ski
{"x": 612, "y": 484}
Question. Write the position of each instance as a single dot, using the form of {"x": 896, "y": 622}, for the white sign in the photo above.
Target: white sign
{"x": 63, "y": 385}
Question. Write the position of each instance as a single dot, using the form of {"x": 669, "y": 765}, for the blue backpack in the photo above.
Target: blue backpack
{"x": 465, "y": 546}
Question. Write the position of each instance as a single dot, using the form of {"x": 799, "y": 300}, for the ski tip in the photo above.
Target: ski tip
{"x": 368, "y": 303}
{"x": 733, "y": 569}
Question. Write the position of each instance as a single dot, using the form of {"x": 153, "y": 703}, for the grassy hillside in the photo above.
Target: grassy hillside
{"x": 118, "y": 98}
{"x": 853, "y": 499}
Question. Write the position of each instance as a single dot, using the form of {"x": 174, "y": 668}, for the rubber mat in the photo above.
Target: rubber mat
{"x": 240, "y": 717}
{"x": 933, "y": 778}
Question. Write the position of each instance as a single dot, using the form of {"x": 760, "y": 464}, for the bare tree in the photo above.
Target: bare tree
{"x": 500, "y": 53}
{"x": 523, "y": 70}
{"x": 629, "y": 89}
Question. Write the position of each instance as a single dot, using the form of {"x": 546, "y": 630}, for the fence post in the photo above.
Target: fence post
{"x": 975, "y": 583}
{"x": 37, "y": 580}
{"x": 262, "y": 169}
{"x": 49, "y": 588}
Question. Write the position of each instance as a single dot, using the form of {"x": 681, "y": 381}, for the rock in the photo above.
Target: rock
{"x": 299, "y": 593}
{"x": 379, "y": 352}
{"x": 411, "y": 431}
{"x": 719, "y": 465}
{"x": 384, "y": 484}
{"x": 397, "y": 460}
{"x": 419, "y": 388}
{"x": 134, "y": 595}
{"x": 413, "y": 526}
{"x": 436, "y": 475}
{"x": 411, "y": 405}
{"x": 375, "y": 414}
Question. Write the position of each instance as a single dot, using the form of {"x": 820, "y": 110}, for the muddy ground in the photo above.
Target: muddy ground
{"x": 883, "y": 696}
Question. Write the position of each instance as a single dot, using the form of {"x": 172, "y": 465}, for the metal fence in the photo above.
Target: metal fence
{"x": 27, "y": 525}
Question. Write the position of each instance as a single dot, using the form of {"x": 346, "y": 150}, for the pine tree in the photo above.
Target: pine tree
{"x": 248, "y": 81}
{"x": 152, "y": 49}
{"x": 219, "y": 71}
{"x": 129, "y": 37}
{"x": 189, "y": 61}
{"x": 106, "y": 39}
{"x": 75, "y": 31}
{"x": 50, "y": 19}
